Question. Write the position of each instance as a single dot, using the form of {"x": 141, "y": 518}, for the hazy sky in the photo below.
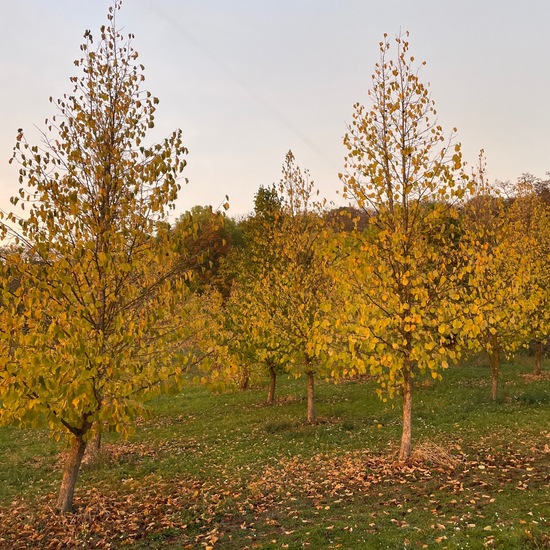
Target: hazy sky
{"x": 248, "y": 80}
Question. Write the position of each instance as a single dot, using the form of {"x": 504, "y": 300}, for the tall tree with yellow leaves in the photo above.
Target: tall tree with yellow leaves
{"x": 94, "y": 326}
{"x": 403, "y": 278}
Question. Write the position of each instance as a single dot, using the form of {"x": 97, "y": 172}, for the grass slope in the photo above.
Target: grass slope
{"x": 227, "y": 471}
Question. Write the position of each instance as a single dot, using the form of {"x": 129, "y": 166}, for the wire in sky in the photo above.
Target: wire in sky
{"x": 253, "y": 93}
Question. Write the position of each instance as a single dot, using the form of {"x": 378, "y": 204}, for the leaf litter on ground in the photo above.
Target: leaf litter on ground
{"x": 198, "y": 513}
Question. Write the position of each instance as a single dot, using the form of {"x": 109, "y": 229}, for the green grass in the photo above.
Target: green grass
{"x": 227, "y": 471}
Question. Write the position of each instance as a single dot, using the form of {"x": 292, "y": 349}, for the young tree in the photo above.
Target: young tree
{"x": 286, "y": 281}
{"x": 403, "y": 278}
{"x": 497, "y": 241}
{"x": 247, "y": 345}
{"x": 203, "y": 238}
{"x": 250, "y": 345}
{"x": 530, "y": 213}
{"x": 94, "y": 327}
{"x": 302, "y": 286}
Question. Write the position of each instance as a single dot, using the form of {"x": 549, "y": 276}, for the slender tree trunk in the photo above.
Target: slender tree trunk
{"x": 406, "y": 435}
{"x": 71, "y": 467}
{"x": 311, "y": 397}
{"x": 538, "y": 357}
{"x": 495, "y": 367}
{"x": 95, "y": 442}
{"x": 94, "y": 445}
{"x": 272, "y": 383}
{"x": 245, "y": 381}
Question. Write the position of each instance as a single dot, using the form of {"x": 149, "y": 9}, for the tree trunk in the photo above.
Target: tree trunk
{"x": 538, "y": 357}
{"x": 495, "y": 366}
{"x": 71, "y": 467}
{"x": 95, "y": 442}
{"x": 405, "y": 450}
{"x": 310, "y": 397}
{"x": 94, "y": 445}
{"x": 245, "y": 381}
{"x": 272, "y": 383}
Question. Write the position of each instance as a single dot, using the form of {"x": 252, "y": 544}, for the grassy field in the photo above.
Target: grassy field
{"x": 227, "y": 471}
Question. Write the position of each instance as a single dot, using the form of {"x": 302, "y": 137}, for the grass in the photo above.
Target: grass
{"x": 227, "y": 471}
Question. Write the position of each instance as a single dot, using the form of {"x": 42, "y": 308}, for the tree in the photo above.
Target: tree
{"x": 301, "y": 285}
{"x": 267, "y": 205}
{"x": 500, "y": 272}
{"x": 250, "y": 345}
{"x": 247, "y": 345}
{"x": 402, "y": 279}
{"x": 203, "y": 238}
{"x": 95, "y": 326}
{"x": 284, "y": 282}
{"x": 530, "y": 215}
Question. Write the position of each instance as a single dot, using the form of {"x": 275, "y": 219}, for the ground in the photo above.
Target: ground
{"x": 229, "y": 472}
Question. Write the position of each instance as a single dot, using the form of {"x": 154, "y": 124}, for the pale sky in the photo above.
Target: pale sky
{"x": 247, "y": 80}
